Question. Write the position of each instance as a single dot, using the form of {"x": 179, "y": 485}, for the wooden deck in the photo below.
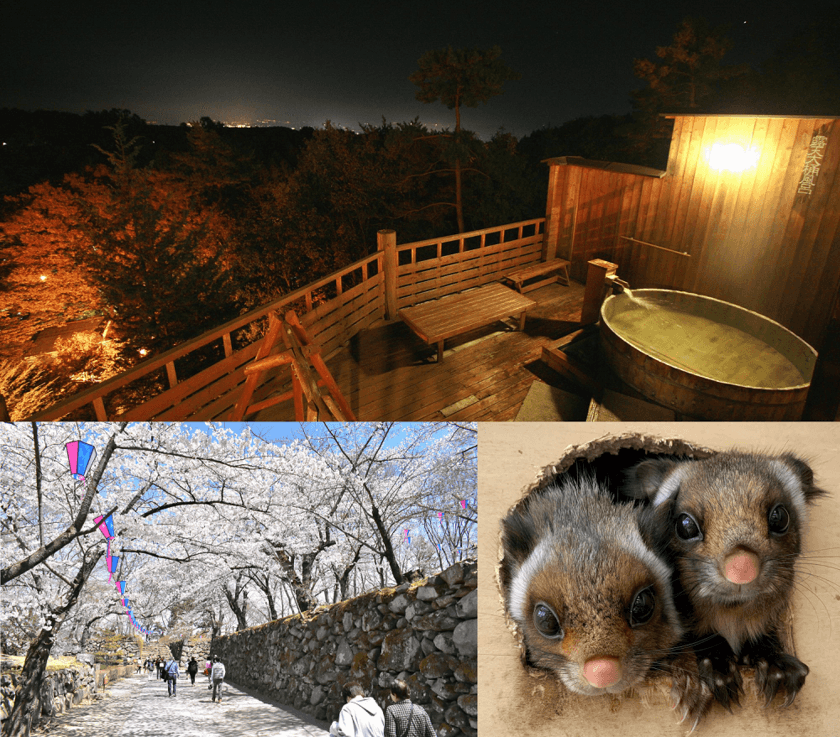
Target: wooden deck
{"x": 387, "y": 373}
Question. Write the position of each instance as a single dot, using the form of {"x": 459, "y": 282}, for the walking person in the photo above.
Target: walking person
{"x": 360, "y": 716}
{"x": 405, "y": 719}
{"x": 217, "y": 676}
{"x": 172, "y": 674}
{"x": 192, "y": 669}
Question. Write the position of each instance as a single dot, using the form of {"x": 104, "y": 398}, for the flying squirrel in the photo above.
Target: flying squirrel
{"x": 592, "y": 601}
{"x": 732, "y": 526}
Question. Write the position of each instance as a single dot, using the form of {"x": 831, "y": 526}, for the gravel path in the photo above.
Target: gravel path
{"x": 139, "y": 707}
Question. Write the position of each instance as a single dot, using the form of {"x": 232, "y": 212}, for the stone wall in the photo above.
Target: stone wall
{"x": 193, "y": 647}
{"x": 61, "y": 689}
{"x": 115, "y": 647}
{"x": 424, "y": 633}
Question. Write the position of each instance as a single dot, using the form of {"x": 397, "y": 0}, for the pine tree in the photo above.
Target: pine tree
{"x": 459, "y": 77}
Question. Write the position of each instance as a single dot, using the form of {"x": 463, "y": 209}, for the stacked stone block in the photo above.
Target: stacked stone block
{"x": 425, "y": 634}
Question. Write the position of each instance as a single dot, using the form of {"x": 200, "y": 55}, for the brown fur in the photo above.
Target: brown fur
{"x": 730, "y": 496}
{"x": 572, "y": 548}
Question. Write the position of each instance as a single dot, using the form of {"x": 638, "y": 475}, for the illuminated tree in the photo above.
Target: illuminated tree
{"x": 459, "y": 77}
{"x": 128, "y": 241}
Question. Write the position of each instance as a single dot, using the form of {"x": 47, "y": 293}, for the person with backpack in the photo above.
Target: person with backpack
{"x": 404, "y": 719}
{"x": 192, "y": 669}
{"x": 217, "y": 676}
{"x": 172, "y": 674}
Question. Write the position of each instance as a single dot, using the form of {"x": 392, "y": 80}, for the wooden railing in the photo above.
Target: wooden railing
{"x": 333, "y": 310}
{"x": 440, "y": 266}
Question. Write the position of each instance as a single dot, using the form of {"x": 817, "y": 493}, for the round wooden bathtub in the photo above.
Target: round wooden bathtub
{"x": 706, "y": 358}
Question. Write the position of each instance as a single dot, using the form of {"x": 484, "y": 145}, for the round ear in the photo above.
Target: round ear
{"x": 647, "y": 480}
{"x": 804, "y": 474}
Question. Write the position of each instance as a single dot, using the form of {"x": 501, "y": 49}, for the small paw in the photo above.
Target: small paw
{"x": 723, "y": 679}
{"x": 782, "y": 672}
{"x": 690, "y": 695}
{"x": 692, "y": 700}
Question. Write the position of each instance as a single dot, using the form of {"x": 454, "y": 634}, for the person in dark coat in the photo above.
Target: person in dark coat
{"x": 405, "y": 719}
{"x": 192, "y": 669}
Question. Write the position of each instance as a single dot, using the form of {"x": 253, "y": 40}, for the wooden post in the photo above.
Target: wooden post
{"x": 593, "y": 296}
{"x": 553, "y": 215}
{"x": 386, "y": 241}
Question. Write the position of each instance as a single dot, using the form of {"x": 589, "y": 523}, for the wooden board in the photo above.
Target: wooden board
{"x": 550, "y": 271}
{"x": 457, "y": 314}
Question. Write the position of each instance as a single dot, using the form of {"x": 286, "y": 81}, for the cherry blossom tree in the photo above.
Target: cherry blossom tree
{"x": 207, "y": 516}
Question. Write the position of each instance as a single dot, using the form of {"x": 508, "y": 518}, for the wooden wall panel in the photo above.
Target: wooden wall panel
{"x": 752, "y": 239}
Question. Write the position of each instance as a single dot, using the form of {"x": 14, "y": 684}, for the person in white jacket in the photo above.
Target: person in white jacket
{"x": 360, "y": 716}
{"x": 217, "y": 676}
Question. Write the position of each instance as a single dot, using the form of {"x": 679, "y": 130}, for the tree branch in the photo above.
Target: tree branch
{"x": 14, "y": 570}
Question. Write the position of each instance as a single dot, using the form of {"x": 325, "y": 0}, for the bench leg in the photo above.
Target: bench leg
{"x": 440, "y": 351}
{"x": 522, "y": 320}
{"x": 564, "y": 274}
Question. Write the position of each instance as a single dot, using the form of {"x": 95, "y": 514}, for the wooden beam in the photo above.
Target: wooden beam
{"x": 567, "y": 366}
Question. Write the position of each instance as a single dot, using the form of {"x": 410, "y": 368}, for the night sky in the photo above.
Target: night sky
{"x": 301, "y": 63}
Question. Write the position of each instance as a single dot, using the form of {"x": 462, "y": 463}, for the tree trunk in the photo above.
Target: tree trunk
{"x": 344, "y": 580}
{"x": 459, "y": 205}
{"x": 386, "y": 541}
{"x": 240, "y": 611}
{"x": 263, "y": 583}
{"x": 301, "y": 586}
{"x": 27, "y": 706}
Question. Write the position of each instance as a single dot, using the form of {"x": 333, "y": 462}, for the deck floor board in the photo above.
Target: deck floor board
{"x": 388, "y": 373}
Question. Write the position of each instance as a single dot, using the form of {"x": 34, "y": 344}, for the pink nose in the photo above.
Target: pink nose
{"x": 741, "y": 567}
{"x": 602, "y": 672}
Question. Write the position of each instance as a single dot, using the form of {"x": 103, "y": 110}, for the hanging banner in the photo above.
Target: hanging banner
{"x": 79, "y": 456}
{"x": 106, "y": 526}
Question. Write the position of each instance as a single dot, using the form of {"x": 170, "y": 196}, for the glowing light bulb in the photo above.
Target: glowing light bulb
{"x": 732, "y": 157}
{"x": 43, "y": 278}
{"x": 143, "y": 352}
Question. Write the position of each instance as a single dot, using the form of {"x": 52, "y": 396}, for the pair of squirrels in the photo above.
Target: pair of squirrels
{"x": 688, "y": 570}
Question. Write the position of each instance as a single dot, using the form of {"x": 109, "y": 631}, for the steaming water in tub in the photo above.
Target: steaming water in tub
{"x": 703, "y": 346}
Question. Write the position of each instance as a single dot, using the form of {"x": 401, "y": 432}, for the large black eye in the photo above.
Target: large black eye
{"x": 687, "y": 528}
{"x": 778, "y": 519}
{"x": 546, "y": 622}
{"x": 643, "y": 607}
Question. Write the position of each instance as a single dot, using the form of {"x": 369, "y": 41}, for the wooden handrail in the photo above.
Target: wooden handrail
{"x": 95, "y": 396}
{"x": 144, "y": 368}
{"x": 471, "y": 234}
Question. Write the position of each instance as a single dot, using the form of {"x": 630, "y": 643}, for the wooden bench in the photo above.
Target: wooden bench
{"x": 456, "y": 314}
{"x": 555, "y": 270}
